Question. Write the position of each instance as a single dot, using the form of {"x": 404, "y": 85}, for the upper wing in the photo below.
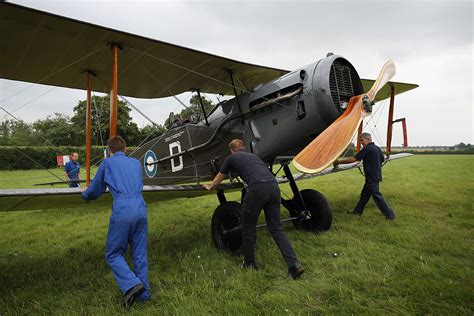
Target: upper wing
{"x": 44, "y": 48}
{"x": 384, "y": 93}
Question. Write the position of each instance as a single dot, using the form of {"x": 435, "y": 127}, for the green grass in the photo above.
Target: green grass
{"x": 28, "y": 178}
{"x": 51, "y": 262}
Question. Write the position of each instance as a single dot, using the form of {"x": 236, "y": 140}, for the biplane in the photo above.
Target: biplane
{"x": 307, "y": 116}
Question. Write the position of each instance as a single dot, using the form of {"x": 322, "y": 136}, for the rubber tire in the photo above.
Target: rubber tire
{"x": 320, "y": 210}
{"x": 227, "y": 216}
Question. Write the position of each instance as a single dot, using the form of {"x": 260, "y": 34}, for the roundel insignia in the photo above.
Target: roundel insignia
{"x": 150, "y": 170}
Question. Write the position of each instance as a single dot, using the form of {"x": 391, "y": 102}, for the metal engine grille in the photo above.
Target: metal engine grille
{"x": 341, "y": 84}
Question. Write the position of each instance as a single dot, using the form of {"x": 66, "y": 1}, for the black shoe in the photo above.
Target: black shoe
{"x": 247, "y": 265}
{"x": 132, "y": 294}
{"x": 296, "y": 270}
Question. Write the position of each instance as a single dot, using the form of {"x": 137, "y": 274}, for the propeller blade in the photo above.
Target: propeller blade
{"x": 331, "y": 143}
{"x": 387, "y": 73}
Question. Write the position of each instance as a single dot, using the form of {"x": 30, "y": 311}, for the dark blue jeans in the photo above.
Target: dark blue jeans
{"x": 372, "y": 190}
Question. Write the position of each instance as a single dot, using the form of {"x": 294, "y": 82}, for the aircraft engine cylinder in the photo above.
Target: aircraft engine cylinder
{"x": 335, "y": 81}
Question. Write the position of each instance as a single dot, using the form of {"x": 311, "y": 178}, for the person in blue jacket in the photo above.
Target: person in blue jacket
{"x": 372, "y": 158}
{"x": 122, "y": 175}
{"x": 72, "y": 169}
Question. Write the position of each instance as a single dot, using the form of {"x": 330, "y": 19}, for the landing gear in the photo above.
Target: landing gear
{"x": 225, "y": 227}
{"x": 309, "y": 210}
{"x": 309, "y": 207}
{"x": 320, "y": 211}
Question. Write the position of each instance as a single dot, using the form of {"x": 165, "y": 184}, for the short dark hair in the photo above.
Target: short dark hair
{"x": 236, "y": 145}
{"x": 116, "y": 143}
{"x": 366, "y": 136}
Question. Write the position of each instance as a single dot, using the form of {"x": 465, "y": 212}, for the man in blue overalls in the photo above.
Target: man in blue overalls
{"x": 128, "y": 222}
{"x": 72, "y": 169}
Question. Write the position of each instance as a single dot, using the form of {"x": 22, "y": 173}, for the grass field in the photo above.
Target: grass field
{"x": 52, "y": 262}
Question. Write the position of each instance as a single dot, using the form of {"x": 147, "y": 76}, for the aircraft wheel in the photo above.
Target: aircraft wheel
{"x": 227, "y": 217}
{"x": 320, "y": 210}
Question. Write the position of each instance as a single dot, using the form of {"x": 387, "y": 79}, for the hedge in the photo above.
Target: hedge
{"x": 40, "y": 157}
{"x": 469, "y": 151}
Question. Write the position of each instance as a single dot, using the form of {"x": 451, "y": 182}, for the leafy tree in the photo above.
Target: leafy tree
{"x": 4, "y": 133}
{"x": 100, "y": 121}
{"x": 461, "y": 146}
{"x": 193, "y": 112}
{"x": 56, "y": 130}
{"x": 62, "y": 130}
{"x": 16, "y": 133}
{"x": 150, "y": 132}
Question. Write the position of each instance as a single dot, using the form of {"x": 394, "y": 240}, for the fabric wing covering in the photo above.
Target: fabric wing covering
{"x": 44, "y": 48}
{"x": 41, "y": 47}
{"x": 384, "y": 93}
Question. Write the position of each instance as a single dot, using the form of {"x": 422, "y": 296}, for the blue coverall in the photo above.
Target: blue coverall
{"x": 72, "y": 168}
{"x": 128, "y": 221}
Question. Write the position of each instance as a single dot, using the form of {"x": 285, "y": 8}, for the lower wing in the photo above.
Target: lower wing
{"x": 35, "y": 199}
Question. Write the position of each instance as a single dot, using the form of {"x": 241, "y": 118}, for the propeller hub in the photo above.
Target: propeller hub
{"x": 367, "y": 104}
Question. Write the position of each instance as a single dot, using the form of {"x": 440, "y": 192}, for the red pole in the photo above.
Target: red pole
{"x": 404, "y": 126}
{"x": 390, "y": 121}
{"x": 405, "y": 137}
{"x": 113, "y": 93}
{"x": 88, "y": 129}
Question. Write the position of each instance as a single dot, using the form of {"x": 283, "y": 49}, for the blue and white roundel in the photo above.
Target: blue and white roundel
{"x": 150, "y": 170}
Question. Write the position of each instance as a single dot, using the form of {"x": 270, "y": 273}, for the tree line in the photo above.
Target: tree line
{"x": 63, "y": 130}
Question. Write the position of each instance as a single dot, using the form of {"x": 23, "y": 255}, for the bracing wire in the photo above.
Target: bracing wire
{"x": 97, "y": 113}
{"x": 52, "y": 74}
{"x": 154, "y": 124}
{"x": 30, "y": 101}
{"x": 200, "y": 74}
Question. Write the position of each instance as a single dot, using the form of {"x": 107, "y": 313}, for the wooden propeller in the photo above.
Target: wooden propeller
{"x": 330, "y": 144}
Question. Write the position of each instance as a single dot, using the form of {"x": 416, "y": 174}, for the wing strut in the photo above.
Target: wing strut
{"x": 390, "y": 121}
{"x": 359, "y": 132}
{"x": 202, "y": 107}
{"x": 88, "y": 128}
{"x": 235, "y": 93}
{"x": 114, "y": 92}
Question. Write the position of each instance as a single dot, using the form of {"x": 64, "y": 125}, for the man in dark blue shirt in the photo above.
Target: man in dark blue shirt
{"x": 372, "y": 158}
{"x": 72, "y": 169}
{"x": 262, "y": 193}
{"x": 128, "y": 222}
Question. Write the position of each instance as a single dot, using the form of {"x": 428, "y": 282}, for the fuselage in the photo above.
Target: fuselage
{"x": 277, "y": 118}
{"x": 285, "y": 127}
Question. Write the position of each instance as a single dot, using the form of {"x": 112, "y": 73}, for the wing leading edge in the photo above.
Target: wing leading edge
{"x": 384, "y": 93}
{"x": 35, "y": 199}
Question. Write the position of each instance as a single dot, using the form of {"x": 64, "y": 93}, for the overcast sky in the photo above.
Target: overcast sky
{"x": 430, "y": 42}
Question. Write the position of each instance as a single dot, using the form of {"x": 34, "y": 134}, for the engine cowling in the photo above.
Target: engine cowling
{"x": 335, "y": 81}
